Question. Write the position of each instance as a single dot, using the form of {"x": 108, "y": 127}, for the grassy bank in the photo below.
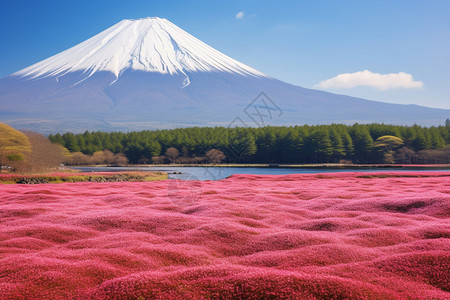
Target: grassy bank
{"x": 81, "y": 177}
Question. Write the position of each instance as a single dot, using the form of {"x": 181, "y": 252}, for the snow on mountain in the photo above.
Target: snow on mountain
{"x": 149, "y": 44}
{"x": 150, "y": 74}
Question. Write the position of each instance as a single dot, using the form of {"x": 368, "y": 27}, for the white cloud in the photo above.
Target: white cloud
{"x": 240, "y": 15}
{"x": 367, "y": 78}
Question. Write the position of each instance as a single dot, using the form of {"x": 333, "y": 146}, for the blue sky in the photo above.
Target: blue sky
{"x": 347, "y": 47}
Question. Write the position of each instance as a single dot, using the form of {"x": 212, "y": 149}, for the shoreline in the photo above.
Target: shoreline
{"x": 290, "y": 166}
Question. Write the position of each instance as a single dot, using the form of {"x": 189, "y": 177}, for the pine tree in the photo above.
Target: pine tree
{"x": 363, "y": 143}
{"x": 348, "y": 144}
{"x": 437, "y": 141}
{"x": 293, "y": 143}
{"x": 71, "y": 142}
{"x": 318, "y": 146}
{"x": 337, "y": 145}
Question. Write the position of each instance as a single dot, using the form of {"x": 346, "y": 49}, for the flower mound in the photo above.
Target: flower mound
{"x": 310, "y": 236}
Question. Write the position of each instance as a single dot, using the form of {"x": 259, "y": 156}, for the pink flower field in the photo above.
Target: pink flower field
{"x": 309, "y": 236}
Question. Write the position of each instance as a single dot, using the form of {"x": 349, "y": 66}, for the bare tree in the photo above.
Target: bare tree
{"x": 158, "y": 160}
{"x": 108, "y": 156}
{"x": 215, "y": 156}
{"x": 120, "y": 159}
{"x": 44, "y": 154}
{"x": 172, "y": 153}
{"x": 405, "y": 155}
{"x": 78, "y": 158}
{"x": 99, "y": 157}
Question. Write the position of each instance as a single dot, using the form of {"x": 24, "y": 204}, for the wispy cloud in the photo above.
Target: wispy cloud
{"x": 240, "y": 15}
{"x": 367, "y": 78}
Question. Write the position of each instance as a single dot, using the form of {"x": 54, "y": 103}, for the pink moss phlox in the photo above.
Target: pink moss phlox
{"x": 307, "y": 236}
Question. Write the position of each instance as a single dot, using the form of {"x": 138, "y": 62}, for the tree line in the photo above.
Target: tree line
{"x": 359, "y": 143}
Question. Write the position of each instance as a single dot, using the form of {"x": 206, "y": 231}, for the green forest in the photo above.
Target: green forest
{"x": 369, "y": 143}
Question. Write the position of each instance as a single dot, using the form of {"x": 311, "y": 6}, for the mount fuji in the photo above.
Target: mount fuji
{"x": 150, "y": 74}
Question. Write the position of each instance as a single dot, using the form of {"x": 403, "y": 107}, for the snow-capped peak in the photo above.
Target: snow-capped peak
{"x": 149, "y": 44}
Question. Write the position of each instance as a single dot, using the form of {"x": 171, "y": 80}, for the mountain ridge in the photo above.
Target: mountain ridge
{"x": 148, "y": 44}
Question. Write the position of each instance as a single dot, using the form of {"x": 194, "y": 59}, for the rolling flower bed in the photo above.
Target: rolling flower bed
{"x": 310, "y": 236}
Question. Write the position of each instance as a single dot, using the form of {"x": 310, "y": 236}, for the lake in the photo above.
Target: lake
{"x": 216, "y": 173}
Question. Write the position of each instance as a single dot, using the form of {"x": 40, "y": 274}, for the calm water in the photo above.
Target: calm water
{"x": 216, "y": 173}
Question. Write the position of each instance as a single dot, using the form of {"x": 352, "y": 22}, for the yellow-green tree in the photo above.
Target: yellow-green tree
{"x": 387, "y": 145}
{"x": 14, "y": 146}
